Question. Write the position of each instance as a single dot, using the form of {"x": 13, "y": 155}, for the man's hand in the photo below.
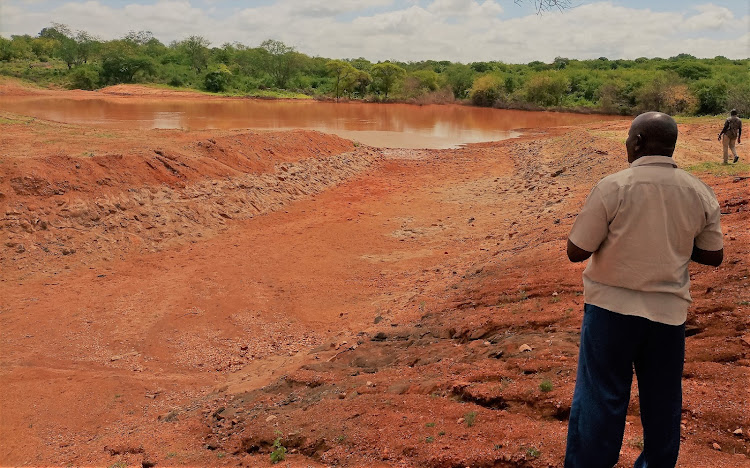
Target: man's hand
{"x": 739, "y": 140}
{"x": 706, "y": 257}
{"x": 719, "y": 137}
{"x": 577, "y": 254}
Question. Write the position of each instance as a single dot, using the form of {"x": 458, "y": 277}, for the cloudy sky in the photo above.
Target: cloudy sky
{"x": 457, "y": 30}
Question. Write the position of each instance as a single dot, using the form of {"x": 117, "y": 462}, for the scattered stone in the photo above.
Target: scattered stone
{"x": 378, "y": 319}
{"x": 558, "y": 172}
{"x": 460, "y": 421}
{"x": 524, "y": 347}
{"x": 380, "y": 336}
{"x": 496, "y": 354}
{"x": 270, "y": 418}
{"x": 20, "y": 248}
{"x": 716, "y": 446}
{"x": 370, "y": 384}
{"x": 738, "y": 431}
{"x": 554, "y": 294}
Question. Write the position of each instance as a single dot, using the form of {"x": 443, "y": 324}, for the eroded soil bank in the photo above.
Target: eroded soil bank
{"x": 186, "y": 298}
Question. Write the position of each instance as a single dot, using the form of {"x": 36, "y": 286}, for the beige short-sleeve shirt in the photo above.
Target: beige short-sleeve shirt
{"x": 641, "y": 224}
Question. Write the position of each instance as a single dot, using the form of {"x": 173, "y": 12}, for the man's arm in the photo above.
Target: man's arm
{"x": 577, "y": 254}
{"x": 739, "y": 133}
{"x": 704, "y": 257}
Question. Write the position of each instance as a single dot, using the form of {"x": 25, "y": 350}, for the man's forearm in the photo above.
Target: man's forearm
{"x": 577, "y": 254}
{"x": 707, "y": 257}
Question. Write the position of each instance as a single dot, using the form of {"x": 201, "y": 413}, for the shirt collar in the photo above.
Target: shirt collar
{"x": 653, "y": 160}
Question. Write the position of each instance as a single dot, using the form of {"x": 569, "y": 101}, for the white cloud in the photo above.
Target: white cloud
{"x": 458, "y": 30}
{"x": 711, "y": 17}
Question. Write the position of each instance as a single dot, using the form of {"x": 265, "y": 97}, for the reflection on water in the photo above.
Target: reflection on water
{"x": 384, "y": 125}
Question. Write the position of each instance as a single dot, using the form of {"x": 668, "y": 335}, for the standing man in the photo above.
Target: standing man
{"x": 641, "y": 227}
{"x": 731, "y": 132}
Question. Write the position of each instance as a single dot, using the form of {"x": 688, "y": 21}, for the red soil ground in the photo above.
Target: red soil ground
{"x": 186, "y": 298}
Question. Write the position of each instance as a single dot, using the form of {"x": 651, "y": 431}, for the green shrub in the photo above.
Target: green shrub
{"x": 486, "y": 90}
{"x": 84, "y": 77}
{"x": 547, "y": 89}
{"x": 217, "y": 80}
{"x": 279, "y": 451}
{"x": 712, "y": 96}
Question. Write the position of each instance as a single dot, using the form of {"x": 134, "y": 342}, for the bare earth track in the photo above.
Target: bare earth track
{"x": 186, "y": 298}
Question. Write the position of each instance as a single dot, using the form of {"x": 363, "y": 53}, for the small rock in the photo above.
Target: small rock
{"x": 737, "y": 431}
{"x": 370, "y": 384}
{"x": 524, "y": 347}
{"x": 460, "y": 421}
{"x": 716, "y": 446}
{"x": 20, "y": 248}
{"x": 270, "y": 418}
{"x": 554, "y": 294}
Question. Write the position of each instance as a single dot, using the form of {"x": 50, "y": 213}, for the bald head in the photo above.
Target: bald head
{"x": 652, "y": 133}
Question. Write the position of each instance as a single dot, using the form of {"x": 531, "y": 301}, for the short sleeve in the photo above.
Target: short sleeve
{"x": 711, "y": 237}
{"x": 591, "y": 226}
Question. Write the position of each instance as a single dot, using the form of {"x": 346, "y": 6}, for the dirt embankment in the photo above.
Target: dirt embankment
{"x": 83, "y": 193}
{"x": 187, "y": 298}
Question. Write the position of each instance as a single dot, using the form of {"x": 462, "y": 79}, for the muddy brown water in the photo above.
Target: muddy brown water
{"x": 381, "y": 125}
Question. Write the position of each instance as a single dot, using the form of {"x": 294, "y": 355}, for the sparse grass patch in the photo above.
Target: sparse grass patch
{"x": 720, "y": 169}
{"x": 278, "y": 94}
{"x": 430, "y": 424}
{"x": 470, "y": 418}
{"x": 429, "y": 439}
{"x": 546, "y": 386}
{"x": 637, "y": 443}
{"x": 533, "y": 452}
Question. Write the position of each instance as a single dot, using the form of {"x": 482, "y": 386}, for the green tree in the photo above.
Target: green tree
{"x": 386, "y": 76}
{"x": 6, "y": 53}
{"x": 195, "y": 49}
{"x": 86, "y": 44}
{"x": 67, "y": 51}
{"x": 122, "y": 62}
{"x": 343, "y": 75}
{"x": 43, "y": 47}
{"x": 281, "y": 61}
{"x": 459, "y": 77}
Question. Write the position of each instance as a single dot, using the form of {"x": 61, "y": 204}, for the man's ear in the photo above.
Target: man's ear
{"x": 638, "y": 146}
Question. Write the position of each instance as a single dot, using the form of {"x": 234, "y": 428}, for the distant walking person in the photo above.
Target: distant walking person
{"x": 640, "y": 227}
{"x": 731, "y": 132}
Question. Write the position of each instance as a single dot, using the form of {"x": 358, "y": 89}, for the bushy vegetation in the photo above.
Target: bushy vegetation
{"x": 678, "y": 85}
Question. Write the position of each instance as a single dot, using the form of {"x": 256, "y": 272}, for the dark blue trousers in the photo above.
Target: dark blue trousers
{"x": 612, "y": 345}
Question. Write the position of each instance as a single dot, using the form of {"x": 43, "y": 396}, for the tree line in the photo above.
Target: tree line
{"x": 682, "y": 84}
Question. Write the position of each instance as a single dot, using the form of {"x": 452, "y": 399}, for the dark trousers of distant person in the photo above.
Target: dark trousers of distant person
{"x": 612, "y": 345}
